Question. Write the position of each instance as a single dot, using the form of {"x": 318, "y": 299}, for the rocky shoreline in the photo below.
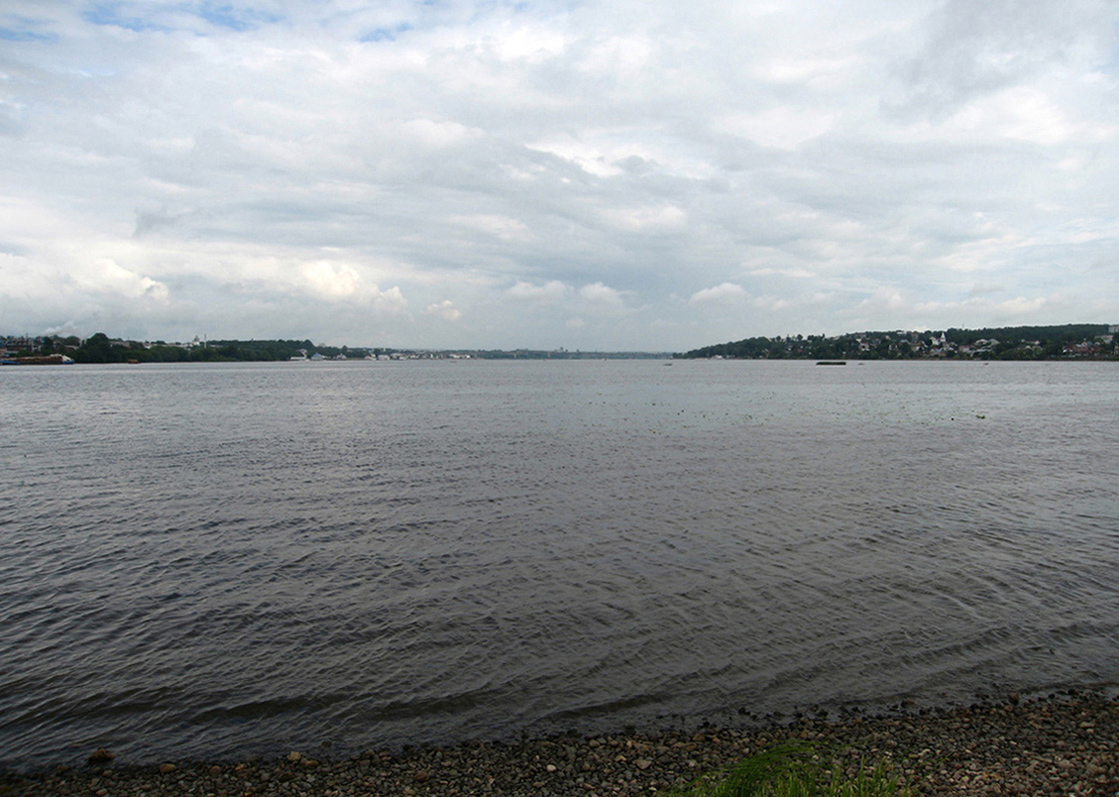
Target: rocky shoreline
{"x": 1056, "y": 746}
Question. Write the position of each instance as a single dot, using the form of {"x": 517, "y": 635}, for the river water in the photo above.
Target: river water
{"x": 214, "y": 561}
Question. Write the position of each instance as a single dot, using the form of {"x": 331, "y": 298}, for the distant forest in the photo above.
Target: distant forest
{"x": 1071, "y": 341}
{"x": 99, "y": 348}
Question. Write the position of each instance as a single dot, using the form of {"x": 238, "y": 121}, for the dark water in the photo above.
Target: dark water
{"x": 218, "y": 561}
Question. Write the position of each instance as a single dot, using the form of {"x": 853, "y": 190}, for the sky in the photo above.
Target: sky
{"x": 602, "y": 175}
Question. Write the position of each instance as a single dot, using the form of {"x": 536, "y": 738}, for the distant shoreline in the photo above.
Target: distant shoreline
{"x": 1054, "y": 342}
{"x": 1032, "y": 343}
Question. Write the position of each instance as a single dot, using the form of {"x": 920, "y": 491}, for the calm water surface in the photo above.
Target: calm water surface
{"x": 225, "y": 560}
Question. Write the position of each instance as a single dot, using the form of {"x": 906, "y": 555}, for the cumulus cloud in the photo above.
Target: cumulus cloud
{"x": 330, "y": 281}
{"x": 445, "y": 310}
{"x": 391, "y": 301}
{"x": 601, "y": 296}
{"x": 724, "y": 293}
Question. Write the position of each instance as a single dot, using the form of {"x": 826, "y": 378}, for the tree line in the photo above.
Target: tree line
{"x": 993, "y": 343}
{"x": 99, "y": 348}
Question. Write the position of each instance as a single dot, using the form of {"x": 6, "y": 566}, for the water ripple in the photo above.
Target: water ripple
{"x": 226, "y": 560}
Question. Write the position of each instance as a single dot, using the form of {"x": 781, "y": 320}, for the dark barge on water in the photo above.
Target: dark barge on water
{"x": 48, "y": 359}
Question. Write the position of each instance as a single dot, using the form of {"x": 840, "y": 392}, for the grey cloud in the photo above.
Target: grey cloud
{"x": 976, "y": 48}
{"x": 156, "y": 220}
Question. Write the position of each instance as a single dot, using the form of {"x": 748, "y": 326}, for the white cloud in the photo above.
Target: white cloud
{"x": 533, "y": 44}
{"x": 902, "y": 309}
{"x": 886, "y": 298}
{"x": 550, "y": 293}
{"x": 602, "y": 296}
{"x": 800, "y": 70}
{"x": 781, "y": 128}
{"x": 439, "y": 134}
{"x": 647, "y": 219}
{"x": 502, "y": 227}
{"x": 723, "y": 293}
{"x": 771, "y": 304}
{"x": 586, "y": 156}
{"x": 795, "y": 273}
{"x": 1027, "y": 114}
{"x": 626, "y": 54}
{"x": 445, "y": 310}
{"x": 1002, "y": 312}
{"x": 330, "y": 281}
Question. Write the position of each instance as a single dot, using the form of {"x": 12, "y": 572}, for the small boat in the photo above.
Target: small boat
{"x": 832, "y": 362}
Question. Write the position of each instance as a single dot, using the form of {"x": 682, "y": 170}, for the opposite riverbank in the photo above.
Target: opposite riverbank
{"x": 1061, "y": 745}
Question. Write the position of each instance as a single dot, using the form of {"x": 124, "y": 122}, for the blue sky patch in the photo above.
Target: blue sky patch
{"x": 240, "y": 20}
{"x": 225, "y": 15}
{"x": 111, "y": 14}
{"x": 386, "y": 34}
{"x": 9, "y": 35}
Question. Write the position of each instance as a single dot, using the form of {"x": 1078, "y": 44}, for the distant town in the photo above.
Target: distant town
{"x": 1068, "y": 342}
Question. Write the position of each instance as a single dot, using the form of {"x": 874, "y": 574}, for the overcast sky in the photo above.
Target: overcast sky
{"x": 610, "y": 174}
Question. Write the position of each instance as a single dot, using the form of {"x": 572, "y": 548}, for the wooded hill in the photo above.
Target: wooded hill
{"x": 1096, "y": 341}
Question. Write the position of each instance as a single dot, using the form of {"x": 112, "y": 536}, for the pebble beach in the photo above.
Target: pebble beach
{"x": 1059, "y": 745}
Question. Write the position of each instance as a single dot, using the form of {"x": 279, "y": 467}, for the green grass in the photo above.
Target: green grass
{"x": 793, "y": 771}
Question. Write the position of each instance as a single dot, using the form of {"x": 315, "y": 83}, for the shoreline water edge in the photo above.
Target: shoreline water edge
{"x": 1065, "y": 743}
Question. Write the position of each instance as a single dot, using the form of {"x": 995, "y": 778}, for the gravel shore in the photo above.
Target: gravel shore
{"x": 1058, "y": 746}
